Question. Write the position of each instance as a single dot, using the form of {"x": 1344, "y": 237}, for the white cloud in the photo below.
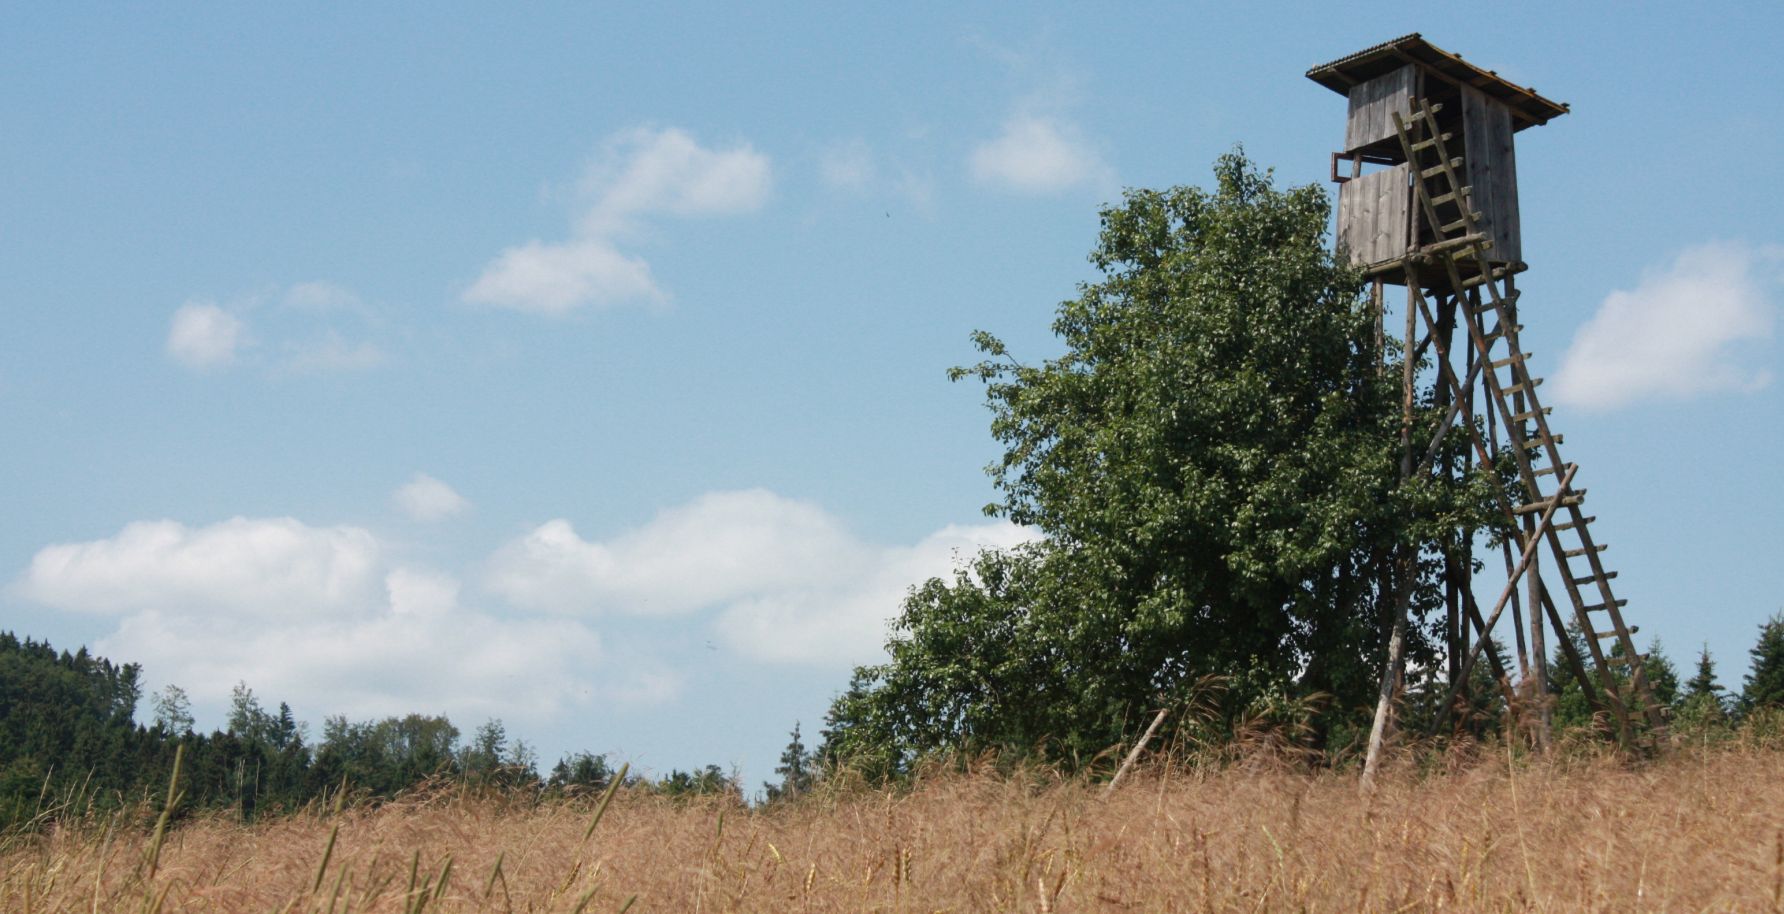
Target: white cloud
{"x": 1682, "y": 332}
{"x": 1037, "y": 155}
{"x": 641, "y": 173}
{"x": 784, "y": 579}
{"x": 687, "y": 558}
{"x": 645, "y": 172}
{"x": 417, "y": 651}
{"x": 203, "y": 335}
{"x": 299, "y": 335}
{"x": 241, "y": 566}
{"x": 843, "y": 618}
{"x": 321, "y": 617}
{"x": 555, "y": 279}
{"x": 425, "y": 498}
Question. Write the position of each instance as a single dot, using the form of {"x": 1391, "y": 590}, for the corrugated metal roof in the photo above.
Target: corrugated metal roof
{"x": 1527, "y": 107}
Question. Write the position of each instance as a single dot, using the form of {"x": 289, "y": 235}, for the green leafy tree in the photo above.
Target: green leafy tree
{"x": 248, "y": 720}
{"x": 173, "y": 710}
{"x": 580, "y": 772}
{"x": 708, "y": 781}
{"x": 1214, "y": 462}
{"x": 1764, "y": 687}
{"x": 486, "y": 751}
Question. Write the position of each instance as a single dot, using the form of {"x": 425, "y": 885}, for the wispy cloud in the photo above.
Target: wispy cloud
{"x": 424, "y": 498}
{"x": 330, "y": 353}
{"x": 848, "y": 165}
{"x": 1035, "y": 154}
{"x": 294, "y": 331}
{"x": 1687, "y": 329}
{"x": 641, "y": 174}
{"x": 203, "y": 336}
{"x": 324, "y": 296}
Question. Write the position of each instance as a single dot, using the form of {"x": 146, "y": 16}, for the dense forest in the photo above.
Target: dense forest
{"x": 71, "y": 740}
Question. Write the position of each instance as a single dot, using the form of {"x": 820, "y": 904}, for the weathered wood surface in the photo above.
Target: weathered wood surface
{"x": 1371, "y": 103}
{"x": 1373, "y": 215}
{"x": 1492, "y": 171}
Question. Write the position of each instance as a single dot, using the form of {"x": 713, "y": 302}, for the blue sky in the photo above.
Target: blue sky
{"x": 584, "y": 365}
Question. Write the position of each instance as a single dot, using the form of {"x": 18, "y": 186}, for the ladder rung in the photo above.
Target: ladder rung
{"x": 1482, "y": 279}
{"x": 1527, "y": 416}
{"x": 1463, "y": 241}
{"x": 1583, "y": 550}
{"x": 1603, "y": 635}
{"x": 1436, "y": 170}
{"x": 1508, "y": 361}
{"x": 1623, "y": 660}
{"x": 1423, "y": 145}
{"x": 1499, "y": 332}
{"x": 1452, "y": 196}
{"x": 1562, "y": 528}
{"x": 1591, "y": 578}
{"x": 1537, "y": 507}
{"x": 1462, "y": 223}
{"x": 1600, "y": 607}
{"x": 1522, "y": 385}
{"x": 1489, "y": 306}
{"x": 1550, "y": 471}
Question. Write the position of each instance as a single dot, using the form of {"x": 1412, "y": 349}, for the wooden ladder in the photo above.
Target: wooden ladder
{"x": 1548, "y": 490}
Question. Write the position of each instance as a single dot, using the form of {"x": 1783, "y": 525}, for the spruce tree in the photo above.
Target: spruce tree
{"x": 795, "y": 769}
{"x": 1703, "y": 700}
{"x": 1765, "y": 683}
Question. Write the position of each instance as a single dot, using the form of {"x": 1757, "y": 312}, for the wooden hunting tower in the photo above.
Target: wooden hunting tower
{"x": 1379, "y": 221}
{"x": 1428, "y": 200}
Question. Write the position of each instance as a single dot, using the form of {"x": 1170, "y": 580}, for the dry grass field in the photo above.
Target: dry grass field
{"x": 1697, "y": 831}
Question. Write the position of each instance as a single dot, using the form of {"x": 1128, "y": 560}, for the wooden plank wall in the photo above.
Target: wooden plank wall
{"x": 1492, "y": 171}
{"x": 1373, "y": 215}
{"x": 1371, "y": 102}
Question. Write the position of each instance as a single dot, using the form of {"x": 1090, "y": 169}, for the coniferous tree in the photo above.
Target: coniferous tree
{"x": 1765, "y": 682}
{"x": 1704, "y": 700}
{"x": 797, "y": 770}
{"x": 1703, "y": 682}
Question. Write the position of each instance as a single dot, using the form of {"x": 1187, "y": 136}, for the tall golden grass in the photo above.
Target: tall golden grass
{"x": 1698, "y": 830}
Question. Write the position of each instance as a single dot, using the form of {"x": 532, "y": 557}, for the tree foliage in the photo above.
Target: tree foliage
{"x": 1214, "y": 462}
{"x": 1764, "y": 686}
{"x": 68, "y": 735}
{"x": 798, "y": 771}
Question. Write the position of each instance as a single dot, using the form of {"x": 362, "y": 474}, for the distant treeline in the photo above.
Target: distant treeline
{"x": 69, "y": 739}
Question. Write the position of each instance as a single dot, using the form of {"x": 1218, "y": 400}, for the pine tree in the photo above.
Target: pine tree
{"x": 796, "y": 769}
{"x": 1765, "y": 683}
{"x": 1662, "y": 676}
{"x": 1704, "y": 682}
{"x": 1703, "y": 701}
